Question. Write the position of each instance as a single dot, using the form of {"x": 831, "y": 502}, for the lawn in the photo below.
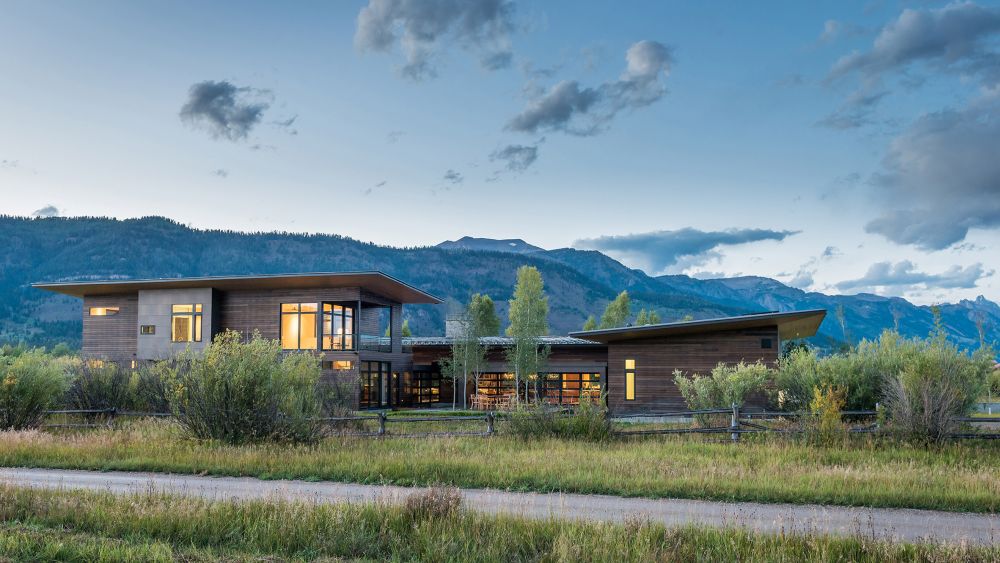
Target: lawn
{"x": 50, "y": 525}
{"x": 958, "y": 477}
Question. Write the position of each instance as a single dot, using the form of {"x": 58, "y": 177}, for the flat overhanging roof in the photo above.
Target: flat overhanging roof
{"x": 376, "y": 282}
{"x": 792, "y": 324}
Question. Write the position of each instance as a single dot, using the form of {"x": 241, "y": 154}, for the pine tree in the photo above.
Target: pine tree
{"x": 617, "y": 312}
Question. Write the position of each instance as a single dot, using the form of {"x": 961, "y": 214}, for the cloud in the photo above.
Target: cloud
{"x": 9, "y": 163}
{"x": 941, "y": 177}
{"x": 220, "y": 172}
{"x": 831, "y": 252}
{"x": 370, "y": 189}
{"x": 951, "y": 38}
{"x": 516, "y": 158}
{"x": 393, "y": 136}
{"x": 855, "y": 112}
{"x": 47, "y": 211}
{"x": 224, "y": 110}
{"x": 287, "y": 124}
{"x": 833, "y": 30}
{"x": 803, "y": 279}
{"x": 420, "y": 26}
{"x": 577, "y": 110}
{"x": 904, "y": 276}
{"x": 661, "y": 251}
{"x": 453, "y": 177}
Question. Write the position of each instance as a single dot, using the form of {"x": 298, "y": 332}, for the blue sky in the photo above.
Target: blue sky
{"x": 838, "y": 146}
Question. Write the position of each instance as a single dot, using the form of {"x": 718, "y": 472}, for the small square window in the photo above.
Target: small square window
{"x": 147, "y": 329}
{"x": 629, "y": 364}
{"x": 766, "y": 343}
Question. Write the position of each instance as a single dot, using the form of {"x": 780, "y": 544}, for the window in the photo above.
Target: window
{"x": 339, "y": 365}
{"x": 185, "y": 323}
{"x": 338, "y": 327}
{"x": 765, "y": 342}
{"x": 147, "y": 329}
{"x": 374, "y": 386}
{"x": 298, "y": 326}
{"x": 629, "y": 380}
{"x": 568, "y": 388}
{"x": 103, "y": 311}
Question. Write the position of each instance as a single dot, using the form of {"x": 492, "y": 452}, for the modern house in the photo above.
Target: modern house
{"x": 353, "y": 321}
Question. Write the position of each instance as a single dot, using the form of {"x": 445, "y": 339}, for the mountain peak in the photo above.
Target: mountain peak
{"x": 515, "y": 245}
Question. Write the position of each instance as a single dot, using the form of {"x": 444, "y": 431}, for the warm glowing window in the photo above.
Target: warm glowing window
{"x": 629, "y": 380}
{"x": 339, "y": 365}
{"x": 103, "y": 311}
{"x": 185, "y": 322}
{"x": 338, "y": 327}
{"x": 298, "y": 326}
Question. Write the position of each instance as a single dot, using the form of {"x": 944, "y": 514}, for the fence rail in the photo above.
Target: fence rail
{"x": 740, "y": 422}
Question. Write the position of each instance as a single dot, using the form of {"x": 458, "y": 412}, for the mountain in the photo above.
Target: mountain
{"x": 579, "y": 283}
{"x": 514, "y": 245}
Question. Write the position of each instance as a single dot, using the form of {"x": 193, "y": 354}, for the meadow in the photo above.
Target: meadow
{"x": 85, "y": 526}
{"x": 866, "y": 471}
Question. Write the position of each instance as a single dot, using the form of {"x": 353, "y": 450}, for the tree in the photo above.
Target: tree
{"x": 654, "y": 317}
{"x": 617, "y": 312}
{"x": 687, "y": 318}
{"x": 529, "y": 311}
{"x": 483, "y": 316}
{"x": 405, "y": 329}
{"x": 590, "y": 324}
{"x": 642, "y": 319}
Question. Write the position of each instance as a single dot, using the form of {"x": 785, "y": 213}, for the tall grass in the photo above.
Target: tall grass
{"x": 959, "y": 476}
{"x": 153, "y": 526}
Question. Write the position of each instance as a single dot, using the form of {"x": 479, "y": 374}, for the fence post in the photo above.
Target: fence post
{"x": 734, "y": 424}
{"x": 381, "y": 424}
{"x": 489, "y": 423}
{"x": 112, "y": 413}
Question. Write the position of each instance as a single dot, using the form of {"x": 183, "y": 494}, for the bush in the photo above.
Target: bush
{"x": 98, "y": 385}
{"x": 244, "y": 392}
{"x": 727, "y": 384}
{"x": 588, "y": 421}
{"x": 939, "y": 384}
{"x": 434, "y": 503}
{"x": 994, "y": 383}
{"x": 31, "y": 382}
{"x": 824, "y": 425}
{"x": 149, "y": 386}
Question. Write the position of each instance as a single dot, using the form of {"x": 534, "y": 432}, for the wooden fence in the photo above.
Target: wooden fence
{"x": 740, "y": 422}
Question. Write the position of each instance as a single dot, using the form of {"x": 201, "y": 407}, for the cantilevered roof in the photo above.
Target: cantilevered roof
{"x": 500, "y": 341}
{"x": 792, "y": 324}
{"x": 376, "y": 282}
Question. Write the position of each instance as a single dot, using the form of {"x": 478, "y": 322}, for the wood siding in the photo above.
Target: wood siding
{"x": 656, "y": 360}
{"x": 111, "y": 337}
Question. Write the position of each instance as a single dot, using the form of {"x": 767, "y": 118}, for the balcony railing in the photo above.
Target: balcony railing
{"x": 375, "y": 343}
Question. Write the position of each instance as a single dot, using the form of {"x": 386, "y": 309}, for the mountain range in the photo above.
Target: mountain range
{"x": 578, "y": 282}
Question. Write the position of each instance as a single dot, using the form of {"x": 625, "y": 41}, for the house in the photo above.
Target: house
{"x": 353, "y": 320}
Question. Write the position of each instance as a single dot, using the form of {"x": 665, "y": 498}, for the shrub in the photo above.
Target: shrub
{"x": 587, "y": 421}
{"x": 824, "y": 425}
{"x": 994, "y": 383}
{"x": 725, "y": 385}
{"x": 243, "y": 392}
{"x": 31, "y": 382}
{"x": 434, "y": 503}
{"x": 99, "y": 386}
{"x": 149, "y": 386}
{"x": 938, "y": 384}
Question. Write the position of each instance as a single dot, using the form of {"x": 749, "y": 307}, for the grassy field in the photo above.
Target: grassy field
{"x": 960, "y": 477}
{"x": 46, "y": 525}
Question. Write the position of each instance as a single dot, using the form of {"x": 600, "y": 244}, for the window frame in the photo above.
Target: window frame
{"x": 109, "y": 311}
{"x": 630, "y": 379}
{"x": 298, "y": 313}
{"x": 148, "y": 330}
{"x": 195, "y": 329}
{"x": 347, "y": 324}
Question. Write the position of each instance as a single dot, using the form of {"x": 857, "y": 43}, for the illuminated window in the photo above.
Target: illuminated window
{"x": 147, "y": 329}
{"x": 185, "y": 322}
{"x": 298, "y": 326}
{"x": 339, "y": 365}
{"x": 629, "y": 380}
{"x": 338, "y": 327}
{"x": 103, "y": 311}
{"x": 95, "y": 363}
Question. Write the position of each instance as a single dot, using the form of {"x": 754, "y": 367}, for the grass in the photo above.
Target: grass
{"x": 83, "y": 526}
{"x": 957, "y": 477}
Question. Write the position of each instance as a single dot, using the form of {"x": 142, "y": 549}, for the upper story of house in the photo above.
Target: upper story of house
{"x": 341, "y": 315}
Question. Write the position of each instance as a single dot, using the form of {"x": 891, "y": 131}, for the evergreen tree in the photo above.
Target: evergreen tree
{"x": 483, "y": 316}
{"x": 405, "y": 329}
{"x": 529, "y": 312}
{"x": 590, "y": 324}
{"x": 617, "y": 312}
{"x": 654, "y": 317}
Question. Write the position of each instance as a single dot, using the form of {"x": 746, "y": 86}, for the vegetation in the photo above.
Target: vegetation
{"x": 85, "y": 526}
{"x": 529, "y": 313}
{"x": 483, "y": 315}
{"x": 590, "y": 323}
{"x": 468, "y": 354}
{"x": 31, "y": 382}
{"x": 647, "y": 318}
{"x": 242, "y": 392}
{"x": 618, "y": 311}
{"x": 870, "y": 472}
{"x": 103, "y": 385}
{"x": 587, "y": 421}
{"x": 726, "y": 385}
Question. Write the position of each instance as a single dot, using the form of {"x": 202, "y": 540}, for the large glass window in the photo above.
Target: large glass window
{"x": 338, "y": 327}
{"x": 568, "y": 388}
{"x": 374, "y": 384}
{"x": 185, "y": 322}
{"x": 496, "y": 384}
{"x": 298, "y": 326}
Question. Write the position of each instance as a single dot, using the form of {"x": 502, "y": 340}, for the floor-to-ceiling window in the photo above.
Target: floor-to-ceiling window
{"x": 568, "y": 388}
{"x": 375, "y": 388}
{"x": 338, "y": 326}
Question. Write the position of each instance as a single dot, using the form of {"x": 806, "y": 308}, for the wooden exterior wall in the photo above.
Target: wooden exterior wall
{"x": 111, "y": 337}
{"x": 656, "y": 360}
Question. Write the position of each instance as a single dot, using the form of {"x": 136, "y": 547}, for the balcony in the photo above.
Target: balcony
{"x": 374, "y": 343}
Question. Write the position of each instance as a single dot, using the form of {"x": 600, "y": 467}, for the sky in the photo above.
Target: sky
{"x": 841, "y": 147}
